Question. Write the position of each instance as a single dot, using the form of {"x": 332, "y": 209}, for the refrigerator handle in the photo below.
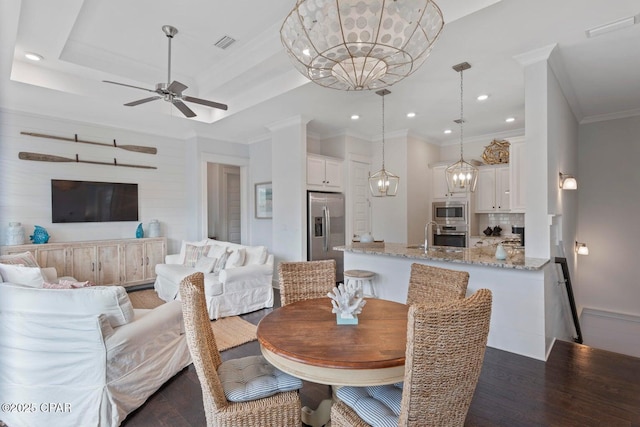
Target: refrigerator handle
{"x": 327, "y": 231}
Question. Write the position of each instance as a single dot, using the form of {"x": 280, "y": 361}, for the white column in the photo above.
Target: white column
{"x": 289, "y": 180}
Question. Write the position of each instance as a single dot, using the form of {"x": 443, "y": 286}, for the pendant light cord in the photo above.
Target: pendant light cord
{"x": 461, "y": 114}
{"x": 383, "y": 132}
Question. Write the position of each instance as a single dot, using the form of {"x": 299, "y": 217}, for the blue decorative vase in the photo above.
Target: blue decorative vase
{"x": 40, "y": 235}
{"x": 139, "y": 231}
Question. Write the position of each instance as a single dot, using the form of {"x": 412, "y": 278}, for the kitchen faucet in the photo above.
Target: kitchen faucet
{"x": 426, "y": 233}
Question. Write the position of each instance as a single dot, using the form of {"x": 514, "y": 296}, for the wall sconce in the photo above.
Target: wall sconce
{"x": 568, "y": 182}
{"x": 582, "y": 248}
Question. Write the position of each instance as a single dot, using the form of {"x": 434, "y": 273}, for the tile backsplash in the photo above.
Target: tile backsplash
{"x": 503, "y": 219}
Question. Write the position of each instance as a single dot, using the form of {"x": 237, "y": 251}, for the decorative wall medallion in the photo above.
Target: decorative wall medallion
{"x": 497, "y": 152}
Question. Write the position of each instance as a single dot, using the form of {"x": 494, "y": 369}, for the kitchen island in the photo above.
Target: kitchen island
{"x": 525, "y": 313}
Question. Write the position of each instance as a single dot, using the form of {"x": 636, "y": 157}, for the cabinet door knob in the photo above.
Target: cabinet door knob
{"x": 93, "y": 266}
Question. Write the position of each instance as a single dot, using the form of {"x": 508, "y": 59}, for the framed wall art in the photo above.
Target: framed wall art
{"x": 264, "y": 200}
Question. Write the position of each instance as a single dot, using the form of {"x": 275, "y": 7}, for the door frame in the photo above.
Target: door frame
{"x": 243, "y": 163}
{"x": 353, "y": 157}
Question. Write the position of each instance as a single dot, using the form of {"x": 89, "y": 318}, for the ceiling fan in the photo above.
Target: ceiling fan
{"x": 172, "y": 90}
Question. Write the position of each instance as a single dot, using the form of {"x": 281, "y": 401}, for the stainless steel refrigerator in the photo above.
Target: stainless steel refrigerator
{"x": 325, "y": 222}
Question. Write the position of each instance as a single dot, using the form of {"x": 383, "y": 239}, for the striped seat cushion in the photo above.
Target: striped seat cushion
{"x": 252, "y": 377}
{"x": 378, "y": 406}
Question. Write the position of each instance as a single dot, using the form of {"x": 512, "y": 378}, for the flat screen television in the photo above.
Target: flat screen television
{"x": 86, "y": 201}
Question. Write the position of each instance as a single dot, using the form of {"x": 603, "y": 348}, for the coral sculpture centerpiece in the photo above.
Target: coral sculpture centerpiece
{"x": 347, "y": 303}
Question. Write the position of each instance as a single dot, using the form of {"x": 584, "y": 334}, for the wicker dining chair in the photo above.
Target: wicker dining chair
{"x": 281, "y": 409}
{"x": 305, "y": 280}
{"x": 445, "y": 350}
{"x": 430, "y": 285}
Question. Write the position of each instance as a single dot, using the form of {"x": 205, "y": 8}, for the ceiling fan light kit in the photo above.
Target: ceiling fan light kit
{"x": 358, "y": 45}
{"x": 171, "y": 91}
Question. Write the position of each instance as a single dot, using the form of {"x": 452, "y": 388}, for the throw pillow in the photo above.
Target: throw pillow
{"x": 192, "y": 254}
{"x": 67, "y": 284}
{"x": 76, "y": 284}
{"x": 222, "y": 261}
{"x": 255, "y": 255}
{"x": 183, "y": 248}
{"x": 206, "y": 264}
{"x": 21, "y": 275}
{"x": 216, "y": 251}
{"x": 236, "y": 258}
{"x": 24, "y": 258}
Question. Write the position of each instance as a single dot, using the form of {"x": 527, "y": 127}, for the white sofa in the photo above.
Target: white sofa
{"x": 83, "y": 357}
{"x": 235, "y": 289}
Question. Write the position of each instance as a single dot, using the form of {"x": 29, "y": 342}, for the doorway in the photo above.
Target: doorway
{"x": 224, "y": 208}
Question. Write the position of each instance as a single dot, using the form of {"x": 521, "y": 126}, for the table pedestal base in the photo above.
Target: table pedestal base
{"x": 320, "y": 417}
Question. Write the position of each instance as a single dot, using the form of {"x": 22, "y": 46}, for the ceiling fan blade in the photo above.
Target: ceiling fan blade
{"x": 205, "y": 102}
{"x": 176, "y": 87}
{"x": 141, "y": 101}
{"x": 183, "y": 108}
{"x": 122, "y": 84}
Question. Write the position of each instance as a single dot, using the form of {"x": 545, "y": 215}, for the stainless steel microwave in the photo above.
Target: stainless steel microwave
{"x": 450, "y": 212}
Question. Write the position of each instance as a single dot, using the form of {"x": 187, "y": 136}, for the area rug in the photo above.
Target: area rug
{"x": 229, "y": 331}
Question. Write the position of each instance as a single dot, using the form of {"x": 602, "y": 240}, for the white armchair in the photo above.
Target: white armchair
{"x": 83, "y": 357}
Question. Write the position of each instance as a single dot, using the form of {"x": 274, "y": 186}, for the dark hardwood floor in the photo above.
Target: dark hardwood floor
{"x": 577, "y": 386}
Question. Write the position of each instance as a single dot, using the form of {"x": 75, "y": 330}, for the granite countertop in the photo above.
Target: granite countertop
{"x": 478, "y": 256}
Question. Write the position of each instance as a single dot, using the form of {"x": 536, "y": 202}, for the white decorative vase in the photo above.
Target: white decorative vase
{"x": 501, "y": 253}
{"x": 154, "y": 228}
{"x": 14, "y": 234}
{"x": 366, "y": 238}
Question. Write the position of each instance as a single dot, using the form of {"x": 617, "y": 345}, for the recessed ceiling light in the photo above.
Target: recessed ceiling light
{"x": 482, "y": 97}
{"x": 510, "y": 119}
{"x": 355, "y": 117}
{"x": 447, "y": 131}
{"x": 411, "y": 115}
{"x": 33, "y": 56}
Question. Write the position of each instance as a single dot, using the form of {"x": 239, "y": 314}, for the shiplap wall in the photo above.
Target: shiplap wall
{"x": 25, "y": 186}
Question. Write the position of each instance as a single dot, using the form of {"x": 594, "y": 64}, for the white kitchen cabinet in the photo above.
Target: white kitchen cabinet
{"x": 517, "y": 153}
{"x": 440, "y": 188}
{"x": 324, "y": 173}
{"x": 493, "y": 189}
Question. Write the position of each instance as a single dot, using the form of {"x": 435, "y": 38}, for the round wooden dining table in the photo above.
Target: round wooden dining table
{"x": 304, "y": 340}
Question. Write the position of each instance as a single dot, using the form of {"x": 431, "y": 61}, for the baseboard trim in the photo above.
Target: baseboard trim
{"x": 586, "y": 311}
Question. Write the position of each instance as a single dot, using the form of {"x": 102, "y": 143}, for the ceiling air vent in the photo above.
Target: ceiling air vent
{"x": 225, "y": 42}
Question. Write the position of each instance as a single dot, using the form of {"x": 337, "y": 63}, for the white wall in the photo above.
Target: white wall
{"x": 419, "y": 187}
{"x": 289, "y": 178}
{"x": 25, "y": 186}
{"x": 260, "y": 158}
{"x": 608, "y": 198}
{"x": 170, "y": 193}
{"x": 389, "y": 214}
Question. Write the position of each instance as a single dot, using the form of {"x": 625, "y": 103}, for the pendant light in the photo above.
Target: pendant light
{"x": 383, "y": 183}
{"x": 360, "y": 45}
{"x": 461, "y": 176}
